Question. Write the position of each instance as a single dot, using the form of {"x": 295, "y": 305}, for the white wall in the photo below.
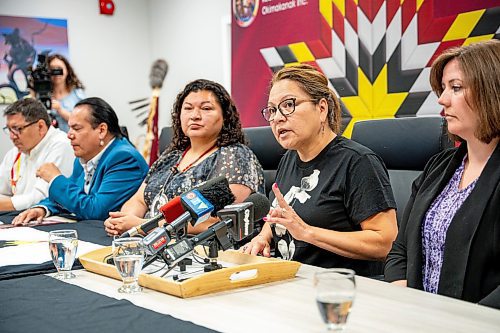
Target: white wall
{"x": 190, "y": 35}
{"x": 112, "y": 55}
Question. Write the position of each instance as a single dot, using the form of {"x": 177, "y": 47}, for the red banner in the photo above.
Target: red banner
{"x": 257, "y": 25}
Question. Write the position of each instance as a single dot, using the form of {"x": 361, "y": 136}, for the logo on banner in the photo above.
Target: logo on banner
{"x": 245, "y": 11}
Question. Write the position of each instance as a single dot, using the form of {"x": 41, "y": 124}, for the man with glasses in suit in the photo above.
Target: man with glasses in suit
{"x": 36, "y": 142}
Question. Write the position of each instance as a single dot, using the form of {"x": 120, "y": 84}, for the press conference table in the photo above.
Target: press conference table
{"x": 286, "y": 306}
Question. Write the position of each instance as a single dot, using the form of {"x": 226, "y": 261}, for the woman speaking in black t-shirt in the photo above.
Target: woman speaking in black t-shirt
{"x": 337, "y": 206}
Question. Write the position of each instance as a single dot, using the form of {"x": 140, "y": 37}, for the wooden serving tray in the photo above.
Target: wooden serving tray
{"x": 264, "y": 270}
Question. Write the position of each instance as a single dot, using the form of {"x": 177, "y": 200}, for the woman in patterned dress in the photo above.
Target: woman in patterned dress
{"x": 208, "y": 142}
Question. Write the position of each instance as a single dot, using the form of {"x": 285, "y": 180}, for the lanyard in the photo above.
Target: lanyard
{"x": 15, "y": 171}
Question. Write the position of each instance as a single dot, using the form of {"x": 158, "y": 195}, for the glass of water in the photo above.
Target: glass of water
{"x": 63, "y": 245}
{"x": 128, "y": 254}
{"x": 335, "y": 291}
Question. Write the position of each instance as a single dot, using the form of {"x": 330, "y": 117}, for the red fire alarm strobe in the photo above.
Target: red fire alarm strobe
{"x": 107, "y": 7}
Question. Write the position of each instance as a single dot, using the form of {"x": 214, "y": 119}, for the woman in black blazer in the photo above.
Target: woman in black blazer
{"x": 449, "y": 239}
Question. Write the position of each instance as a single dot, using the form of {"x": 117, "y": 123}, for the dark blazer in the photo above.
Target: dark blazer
{"x": 119, "y": 173}
{"x": 471, "y": 261}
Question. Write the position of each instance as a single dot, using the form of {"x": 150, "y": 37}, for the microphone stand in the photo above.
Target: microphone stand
{"x": 221, "y": 241}
{"x": 217, "y": 238}
{"x": 213, "y": 254}
{"x": 152, "y": 259}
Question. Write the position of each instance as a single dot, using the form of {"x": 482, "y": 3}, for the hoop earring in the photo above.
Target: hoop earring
{"x": 322, "y": 128}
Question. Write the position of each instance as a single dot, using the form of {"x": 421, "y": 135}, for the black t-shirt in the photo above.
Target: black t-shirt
{"x": 337, "y": 190}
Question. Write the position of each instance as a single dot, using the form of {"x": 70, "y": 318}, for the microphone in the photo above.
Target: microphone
{"x": 215, "y": 190}
{"x": 261, "y": 205}
{"x": 198, "y": 208}
{"x": 172, "y": 211}
{"x": 236, "y": 219}
{"x": 243, "y": 215}
{"x": 168, "y": 210}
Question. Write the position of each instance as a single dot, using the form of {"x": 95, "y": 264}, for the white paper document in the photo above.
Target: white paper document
{"x": 23, "y": 246}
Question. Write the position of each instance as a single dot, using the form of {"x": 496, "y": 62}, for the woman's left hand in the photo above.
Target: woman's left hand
{"x": 119, "y": 222}
{"x": 48, "y": 171}
{"x": 286, "y": 216}
{"x": 56, "y": 105}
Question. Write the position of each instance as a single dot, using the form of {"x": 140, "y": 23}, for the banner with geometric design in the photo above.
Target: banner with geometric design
{"x": 376, "y": 54}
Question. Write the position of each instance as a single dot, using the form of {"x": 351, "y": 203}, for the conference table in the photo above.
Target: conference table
{"x": 91, "y": 302}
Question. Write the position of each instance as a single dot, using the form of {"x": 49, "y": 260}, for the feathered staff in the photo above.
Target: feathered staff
{"x": 156, "y": 76}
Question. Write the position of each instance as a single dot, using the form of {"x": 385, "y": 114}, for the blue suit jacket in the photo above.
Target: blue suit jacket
{"x": 118, "y": 175}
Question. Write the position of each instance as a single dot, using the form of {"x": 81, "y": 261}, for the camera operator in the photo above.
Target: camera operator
{"x": 67, "y": 90}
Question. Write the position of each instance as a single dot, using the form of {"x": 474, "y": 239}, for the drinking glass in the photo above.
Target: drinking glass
{"x": 335, "y": 291}
{"x": 63, "y": 245}
{"x": 128, "y": 254}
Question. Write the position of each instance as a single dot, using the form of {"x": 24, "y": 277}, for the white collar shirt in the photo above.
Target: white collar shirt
{"x": 90, "y": 167}
{"x": 29, "y": 189}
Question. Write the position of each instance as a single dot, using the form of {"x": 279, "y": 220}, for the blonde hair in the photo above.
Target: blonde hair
{"x": 315, "y": 84}
{"x": 480, "y": 65}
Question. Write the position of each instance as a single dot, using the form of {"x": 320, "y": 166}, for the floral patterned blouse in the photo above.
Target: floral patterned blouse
{"x": 237, "y": 162}
{"x": 436, "y": 222}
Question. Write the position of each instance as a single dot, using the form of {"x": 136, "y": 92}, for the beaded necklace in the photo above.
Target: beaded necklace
{"x": 160, "y": 199}
{"x": 175, "y": 168}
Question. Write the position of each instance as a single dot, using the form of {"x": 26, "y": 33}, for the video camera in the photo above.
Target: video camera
{"x": 41, "y": 80}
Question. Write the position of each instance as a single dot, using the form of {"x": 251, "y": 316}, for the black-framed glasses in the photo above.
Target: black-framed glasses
{"x": 17, "y": 130}
{"x": 286, "y": 107}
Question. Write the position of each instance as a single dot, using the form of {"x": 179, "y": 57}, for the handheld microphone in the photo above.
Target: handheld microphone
{"x": 168, "y": 210}
{"x": 215, "y": 190}
{"x": 156, "y": 241}
{"x": 244, "y": 215}
{"x": 236, "y": 219}
{"x": 198, "y": 208}
{"x": 261, "y": 205}
{"x": 172, "y": 211}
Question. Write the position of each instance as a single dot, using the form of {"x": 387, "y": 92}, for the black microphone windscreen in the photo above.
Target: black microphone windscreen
{"x": 158, "y": 72}
{"x": 217, "y": 191}
{"x": 261, "y": 205}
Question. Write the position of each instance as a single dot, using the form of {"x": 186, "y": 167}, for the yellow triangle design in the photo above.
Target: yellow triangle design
{"x": 463, "y": 25}
{"x": 419, "y": 3}
{"x": 373, "y": 101}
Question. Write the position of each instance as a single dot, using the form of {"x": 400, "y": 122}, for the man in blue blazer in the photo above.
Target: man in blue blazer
{"x": 108, "y": 170}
